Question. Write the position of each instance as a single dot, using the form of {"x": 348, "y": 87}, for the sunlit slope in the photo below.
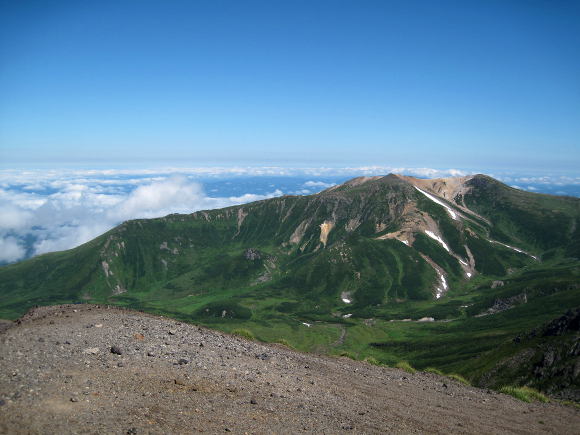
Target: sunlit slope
{"x": 444, "y": 273}
{"x": 371, "y": 241}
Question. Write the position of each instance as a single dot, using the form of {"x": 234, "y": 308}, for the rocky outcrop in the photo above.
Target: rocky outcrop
{"x": 548, "y": 358}
{"x": 503, "y": 304}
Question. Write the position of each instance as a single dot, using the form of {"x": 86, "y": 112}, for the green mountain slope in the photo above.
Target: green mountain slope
{"x": 337, "y": 271}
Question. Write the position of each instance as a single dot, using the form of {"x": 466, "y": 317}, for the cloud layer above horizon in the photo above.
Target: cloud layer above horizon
{"x": 51, "y": 210}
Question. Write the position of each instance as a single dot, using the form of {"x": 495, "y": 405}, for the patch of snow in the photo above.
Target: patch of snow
{"x": 439, "y": 291}
{"x": 444, "y": 282}
{"x": 432, "y": 198}
{"x": 346, "y": 301}
{"x": 346, "y": 316}
{"x": 406, "y": 242}
{"x": 515, "y": 249}
{"x": 439, "y": 239}
{"x": 307, "y": 324}
{"x": 462, "y": 262}
{"x": 468, "y": 275}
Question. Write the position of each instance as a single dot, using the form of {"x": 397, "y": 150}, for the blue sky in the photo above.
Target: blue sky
{"x": 443, "y": 84}
{"x": 116, "y": 110}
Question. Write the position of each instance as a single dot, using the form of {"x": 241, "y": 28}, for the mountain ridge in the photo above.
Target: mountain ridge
{"x": 354, "y": 256}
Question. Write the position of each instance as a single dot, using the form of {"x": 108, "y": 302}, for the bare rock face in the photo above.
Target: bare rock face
{"x": 568, "y": 322}
{"x": 175, "y": 378}
{"x": 252, "y": 254}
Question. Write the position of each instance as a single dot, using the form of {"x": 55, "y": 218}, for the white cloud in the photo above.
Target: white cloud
{"x": 435, "y": 173}
{"x": 319, "y": 184}
{"x": 13, "y": 217}
{"x": 176, "y": 194}
{"x": 11, "y": 250}
{"x": 211, "y": 203}
{"x": 70, "y": 236}
{"x": 83, "y": 208}
{"x": 63, "y": 208}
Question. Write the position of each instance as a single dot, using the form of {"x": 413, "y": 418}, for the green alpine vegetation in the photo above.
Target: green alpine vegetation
{"x": 461, "y": 275}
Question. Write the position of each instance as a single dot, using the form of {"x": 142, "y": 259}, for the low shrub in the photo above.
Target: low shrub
{"x": 284, "y": 342}
{"x": 536, "y": 395}
{"x": 518, "y": 393}
{"x": 434, "y": 371}
{"x": 348, "y": 354}
{"x": 246, "y": 333}
{"x": 372, "y": 360}
{"x": 524, "y": 393}
{"x": 459, "y": 379}
{"x": 404, "y": 365}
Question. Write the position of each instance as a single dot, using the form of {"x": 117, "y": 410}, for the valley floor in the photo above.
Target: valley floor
{"x": 84, "y": 369}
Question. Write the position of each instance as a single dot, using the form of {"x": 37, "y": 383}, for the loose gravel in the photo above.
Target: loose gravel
{"x": 87, "y": 369}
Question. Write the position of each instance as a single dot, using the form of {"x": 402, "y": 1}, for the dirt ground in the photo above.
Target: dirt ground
{"x": 83, "y": 369}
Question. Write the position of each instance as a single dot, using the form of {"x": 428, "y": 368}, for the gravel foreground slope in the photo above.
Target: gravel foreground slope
{"x": 85, "y": 369}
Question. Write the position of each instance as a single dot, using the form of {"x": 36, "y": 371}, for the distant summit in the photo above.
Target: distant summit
{"x": 342, "y": 263}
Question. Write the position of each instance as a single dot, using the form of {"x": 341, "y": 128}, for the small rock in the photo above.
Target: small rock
{"x": 182, "y": 361}
{"x": 254, "y": 402}
{"x": 150, "y": 354}
{"x": 41, "y": 339}
{"x": 132, "y": 431}
{"x": 172, "y": 332}
{"x": 74, "y": 399}
{"x": 120, "y": 365}
{"x": 90, "y": 350}
{"x": 2, "y": 402}
{"x": 139, "y": 336}
{"x": 116, "y": 350}
{"x": 99, "y": 325}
